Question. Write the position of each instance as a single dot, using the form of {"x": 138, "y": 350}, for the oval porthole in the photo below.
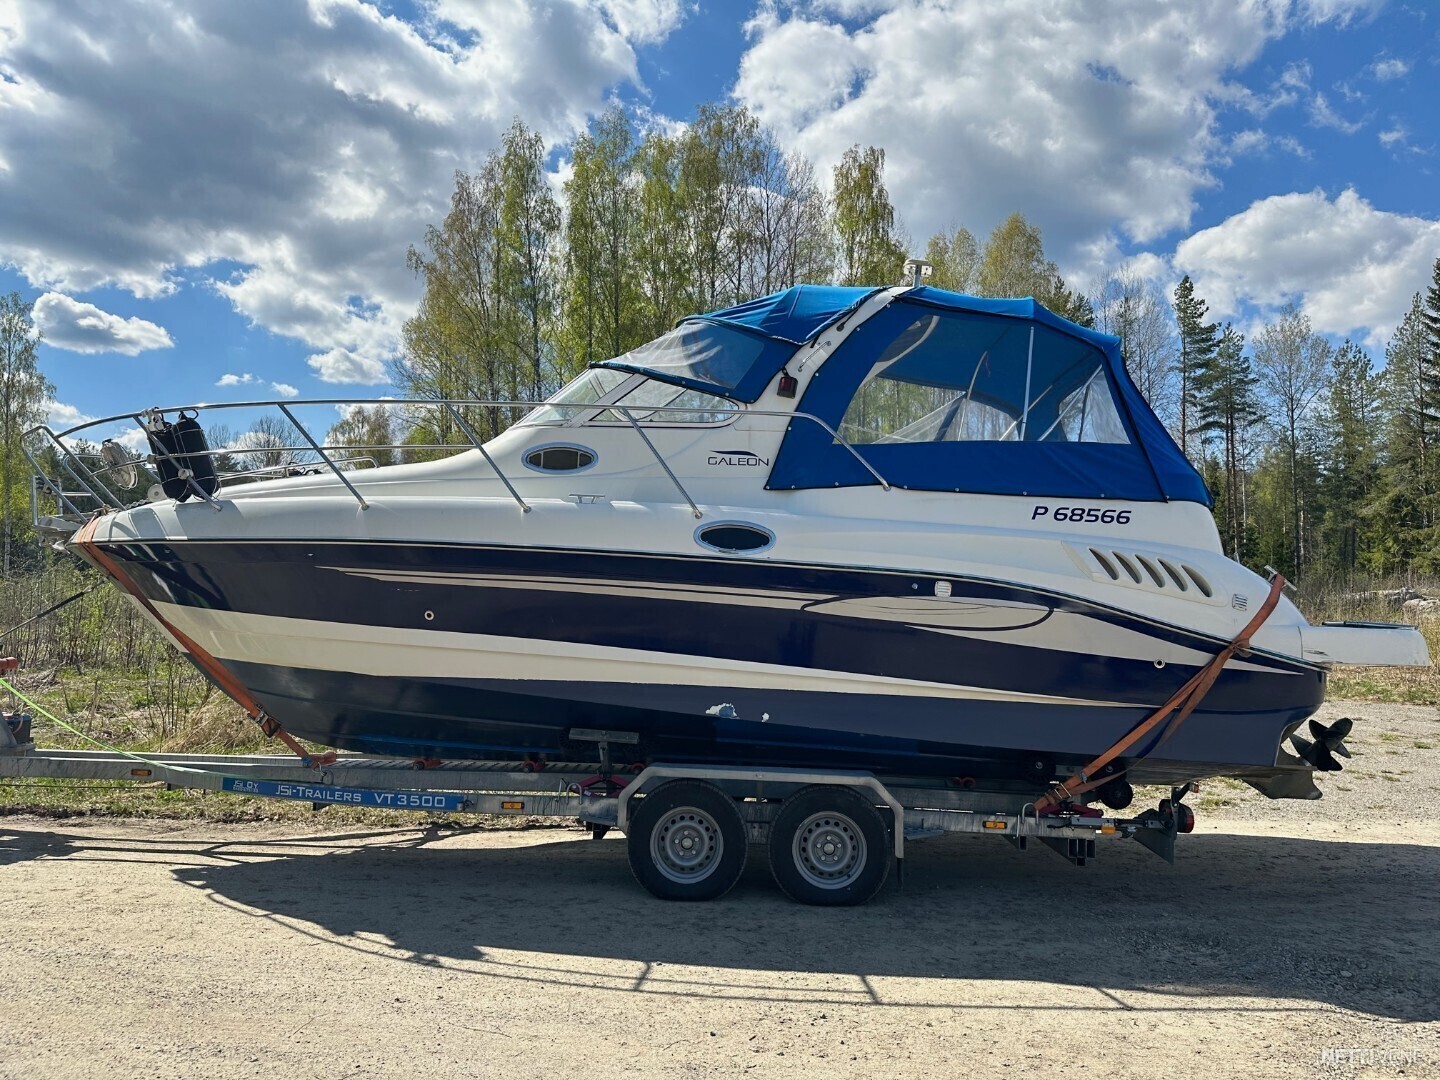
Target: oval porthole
{"x": 734, "y": 537}
{"x": 559, "y": 457}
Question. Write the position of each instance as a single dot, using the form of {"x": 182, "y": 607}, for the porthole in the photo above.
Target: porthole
{"x": 559, "y": 457}
{"x": 734, "y": 537}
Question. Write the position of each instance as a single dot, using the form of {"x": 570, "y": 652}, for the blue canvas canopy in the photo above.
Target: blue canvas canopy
{"x": 736, "y": 351}
{"x": 797, "y": 314}
{"x": 1019, "y": 400}
{"x": 937, "y": 391}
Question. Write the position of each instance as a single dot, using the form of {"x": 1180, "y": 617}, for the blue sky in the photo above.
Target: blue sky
{"x": 191, "y": 192}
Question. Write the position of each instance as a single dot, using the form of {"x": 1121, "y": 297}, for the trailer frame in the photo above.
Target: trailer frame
{"x": 603, "y": 798}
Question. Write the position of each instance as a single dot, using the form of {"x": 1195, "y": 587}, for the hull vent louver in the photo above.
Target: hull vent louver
{"x": 1151, "y": 571}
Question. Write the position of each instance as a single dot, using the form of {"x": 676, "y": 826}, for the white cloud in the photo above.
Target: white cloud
{"x": 1292, "y": 145}
{"x": 1322, "y": 114}
{"x": 70, "y": 324}
{"x": 231, "y": 379}
{"x": 342, "y": 366}
{"x": 1255, "y": 141}
{"x": 1351, "y": 267}
{"x": 133, "y": 439}
{"x": 284, "y": 390}
{"x": 1390, "y": 68}
{"x": 58, "y": 415}
{"x": 1342, "y": 11}
{"x": 300, "y": 144}
{"x": 643, "y": 21}
{"x": 1088, "y": 118}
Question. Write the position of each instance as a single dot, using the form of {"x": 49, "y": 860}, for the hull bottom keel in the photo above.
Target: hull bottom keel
{"x": 968, "y": 742}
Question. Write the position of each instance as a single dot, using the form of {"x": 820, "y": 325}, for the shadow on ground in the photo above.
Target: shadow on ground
{"x": 1342, "y": 924}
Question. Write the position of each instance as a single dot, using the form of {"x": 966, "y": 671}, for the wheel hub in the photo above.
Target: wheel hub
{"x": 829, "y": 850}
{"x": 686, "y": 845}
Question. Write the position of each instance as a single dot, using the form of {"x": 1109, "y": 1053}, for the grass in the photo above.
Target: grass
{"x": 1364, "y": 603}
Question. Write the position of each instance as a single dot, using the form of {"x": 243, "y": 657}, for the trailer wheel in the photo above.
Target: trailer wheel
{"x": 687, "y": 841}
{"x": 829, "y": 846}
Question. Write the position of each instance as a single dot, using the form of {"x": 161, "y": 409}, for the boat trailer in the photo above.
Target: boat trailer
{"x": 832, "y": 835}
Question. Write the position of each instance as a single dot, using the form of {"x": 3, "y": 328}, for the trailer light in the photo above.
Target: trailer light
{"x": 139, "y": 774}
{"x": 512, "y": 806}
{"x": 994, "y": 824}
{"x": 1108, "y": 830}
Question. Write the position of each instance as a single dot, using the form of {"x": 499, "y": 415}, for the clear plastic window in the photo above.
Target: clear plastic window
{"x": 591, "y": 386}
{"x": 946, "y": 379}
{"x": 652, "y": 402}
{"x": 649, "y": 401}
{"x": 700, "y": 352}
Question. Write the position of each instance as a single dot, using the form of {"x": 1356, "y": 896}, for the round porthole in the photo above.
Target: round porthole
{"x": 734, "y": 537}
{"x": 559, "y": 457}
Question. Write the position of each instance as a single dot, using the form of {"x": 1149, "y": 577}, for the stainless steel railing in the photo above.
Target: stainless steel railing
{"x": 93, "y": 480}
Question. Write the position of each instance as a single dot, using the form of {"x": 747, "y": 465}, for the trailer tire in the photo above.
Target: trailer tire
{"x": 686, "y": 841}
{"x": 829, "y": 846}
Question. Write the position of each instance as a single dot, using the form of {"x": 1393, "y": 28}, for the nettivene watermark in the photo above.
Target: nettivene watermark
{"x": 1370, "y": 1056}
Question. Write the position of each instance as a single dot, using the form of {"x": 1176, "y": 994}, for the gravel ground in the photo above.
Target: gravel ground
{"x": 1290, "y": 939}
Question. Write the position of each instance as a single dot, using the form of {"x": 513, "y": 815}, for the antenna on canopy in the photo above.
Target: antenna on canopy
{"x": 917, "y": 270}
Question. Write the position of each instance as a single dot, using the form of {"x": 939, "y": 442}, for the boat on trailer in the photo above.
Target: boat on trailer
{"x": 896, "y": 530}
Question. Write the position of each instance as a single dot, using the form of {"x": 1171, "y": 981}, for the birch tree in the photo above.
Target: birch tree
{"x": 23, "y": 393}
{"x": 1293, "y": 365}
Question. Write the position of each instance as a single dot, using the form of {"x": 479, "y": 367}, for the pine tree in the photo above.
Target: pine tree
{"x": 1198, "y": 342}
{"x": 1430, "y": 317}
{"x": 1227, "y": 409}
{"x": 1349, "y": 459}
{"x": 1412, "y": 398}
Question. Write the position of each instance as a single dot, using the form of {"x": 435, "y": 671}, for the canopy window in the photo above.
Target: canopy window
{"x": 936, "y": 383}
{"x": 944, "y": 392}
{"x": 711, "y": 357}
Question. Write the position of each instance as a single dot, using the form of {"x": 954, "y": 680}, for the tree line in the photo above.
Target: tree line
{"x": 1321, "y": 461}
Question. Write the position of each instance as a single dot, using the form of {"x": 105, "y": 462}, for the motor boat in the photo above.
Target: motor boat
{"x": 896, "y": 529}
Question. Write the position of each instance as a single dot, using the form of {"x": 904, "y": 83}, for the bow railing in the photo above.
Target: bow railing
{"x": 82, "y": 476}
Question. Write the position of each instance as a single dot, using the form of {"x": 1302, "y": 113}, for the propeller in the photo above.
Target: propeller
{"x": 1329, "y": 741}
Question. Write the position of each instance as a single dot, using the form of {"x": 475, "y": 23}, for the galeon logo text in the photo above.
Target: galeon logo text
{"x": 737, "y": 457}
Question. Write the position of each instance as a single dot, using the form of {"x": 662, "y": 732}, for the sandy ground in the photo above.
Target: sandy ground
{"x": 1288, "y": 940}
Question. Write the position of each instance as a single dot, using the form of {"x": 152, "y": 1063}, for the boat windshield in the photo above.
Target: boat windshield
{"x": 712, "y": 357}
{"x": 647, "y": 400}
{"x": 589, "y": 387}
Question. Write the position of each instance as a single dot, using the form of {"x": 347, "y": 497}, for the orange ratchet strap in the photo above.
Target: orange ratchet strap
{"x": 203, "y": 660}
{"x": 1181, "y": 704}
